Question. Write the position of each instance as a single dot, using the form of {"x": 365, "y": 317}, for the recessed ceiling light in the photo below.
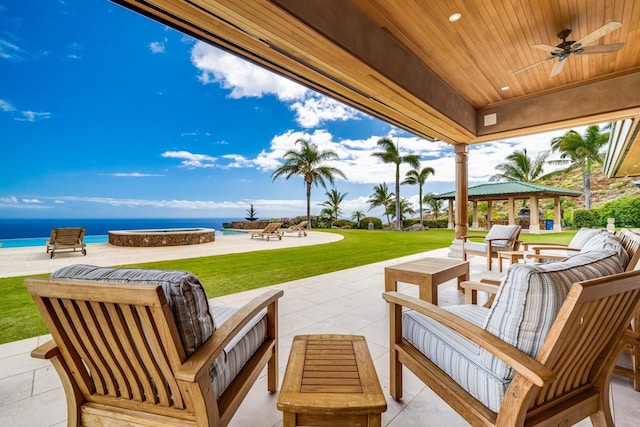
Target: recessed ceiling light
{"x": 505, "y": 88}
{"x": 455, "y": 16}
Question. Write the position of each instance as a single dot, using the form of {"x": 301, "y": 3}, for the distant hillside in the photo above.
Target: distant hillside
{"x": 603, "y": 188}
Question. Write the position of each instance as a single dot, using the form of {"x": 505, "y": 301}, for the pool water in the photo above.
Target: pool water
{"x": 41, "y": 241}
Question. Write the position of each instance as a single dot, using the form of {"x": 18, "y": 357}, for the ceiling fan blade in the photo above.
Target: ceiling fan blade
{"x": 557, "y": 68}
{"x": 547, "y": 47}
{"x": 532, "y": 65}
{"x": 600, "y": 32}
{"x": 605, "y": 48}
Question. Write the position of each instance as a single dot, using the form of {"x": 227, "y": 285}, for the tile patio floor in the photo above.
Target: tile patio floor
{"x": 344, "y": 302}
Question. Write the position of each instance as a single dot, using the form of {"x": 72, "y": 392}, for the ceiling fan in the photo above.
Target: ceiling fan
{"x": 562, "y": 51}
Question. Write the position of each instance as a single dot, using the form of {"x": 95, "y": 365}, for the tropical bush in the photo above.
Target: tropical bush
{"x": 625, "y": 210}
{"x": 432, "y": 223}
{"x": 377, "y": 223}
{"x": 342, "y": 223}
{"x": 587, "y": 218}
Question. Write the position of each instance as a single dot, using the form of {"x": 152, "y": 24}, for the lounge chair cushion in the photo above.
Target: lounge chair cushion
{"x": 582, "y": 236}
{"x": 459, "y": 357}
{"x": 506, "y": 232}
{"x": 607, "y": 241}
{"x": 236, "y": 354}
{"x": 185, "y": 294}
{"x": 530, "y": 297}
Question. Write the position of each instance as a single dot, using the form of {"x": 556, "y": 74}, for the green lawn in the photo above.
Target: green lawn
{"x": 227, "y": 274}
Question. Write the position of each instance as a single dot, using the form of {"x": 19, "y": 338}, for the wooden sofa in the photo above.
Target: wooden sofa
{"x": 543, "y": 362}
{"x": 140, "y": 347}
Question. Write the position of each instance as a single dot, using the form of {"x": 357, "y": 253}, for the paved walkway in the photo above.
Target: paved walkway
{"x": 342, "y": 302}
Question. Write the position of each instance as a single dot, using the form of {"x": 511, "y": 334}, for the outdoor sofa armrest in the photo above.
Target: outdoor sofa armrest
{"x": 45, "y": 351}
{"x": 522, "y": 363}
{"x": 199, "y": 362}
{"x": 537, "y": 249}
{"x": 553, "y": 245}
{"x": 471, "y": 289}
{"x": 465, "y": 238}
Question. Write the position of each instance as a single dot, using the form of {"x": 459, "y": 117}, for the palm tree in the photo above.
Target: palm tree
{"x": 391, "y": 154}
{"x": 435, "y": 205}
{"x": 357, "y": 216}
{"x": 582, "y": 151}
{"x": 381, "y": 197}
{"x": 521, "y": 167}
{"x": 406, "y": 208}
{"x": 308, "y": 163}
{"x": 333, "y": 204}
{"x": 418, "y": 177}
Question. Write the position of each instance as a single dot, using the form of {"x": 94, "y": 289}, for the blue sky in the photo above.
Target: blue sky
{"x": 105, "y": 113}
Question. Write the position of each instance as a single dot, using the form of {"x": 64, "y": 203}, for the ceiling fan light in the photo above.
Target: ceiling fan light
{"x": 455, "y": 16}
{"x": 505, "y": 88}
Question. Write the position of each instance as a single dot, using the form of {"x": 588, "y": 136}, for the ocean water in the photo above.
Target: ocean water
{"x": 18, "y": 232}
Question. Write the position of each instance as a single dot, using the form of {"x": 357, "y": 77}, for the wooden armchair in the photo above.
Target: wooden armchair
{"x": 556, "y": 251}
{"x": 499, "y": 238}
{"x": 122, "y": 360}
{"x": 557, "y": 372}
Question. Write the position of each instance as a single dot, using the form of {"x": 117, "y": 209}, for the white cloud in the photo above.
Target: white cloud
{"x": 157, "y": 47}
{"x": 237, "y": 161}
{"x": 36, "y": 201}
{"x": 10, "y": 51}
{"x": 245, "y": 79}
{"x": 191, "y": 160}
{"x": 5, "y": 106}
{"x": 32, "y": 116}
{"x": 134, "y": 174}
{"x": 23, "y": 203}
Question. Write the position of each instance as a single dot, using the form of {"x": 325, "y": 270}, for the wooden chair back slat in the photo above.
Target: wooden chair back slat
{"x": 581, "y": 338}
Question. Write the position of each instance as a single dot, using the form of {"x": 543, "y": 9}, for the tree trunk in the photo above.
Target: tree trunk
{"x": 308, "y": 206}
{"x": 420, "y": 195}
{"x": 398, "y": 217}
{"x": 586, "y": 180}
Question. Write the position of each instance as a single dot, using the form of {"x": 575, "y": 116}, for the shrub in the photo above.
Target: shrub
{"x": 342, "y": 223}
{"x": 432, "y": 223}
{"x": 587, "y": 218}
{"x": 625, "y": 210}
{"x": 377, "y": 223}
{"x": 406, "y": 223}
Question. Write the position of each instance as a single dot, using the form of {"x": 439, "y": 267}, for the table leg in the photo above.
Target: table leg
{"x": 428, "y": 292}
{"x": 288, "y": 419}
{"x": 500, "y": 263}
{"x": 374, "y": 420}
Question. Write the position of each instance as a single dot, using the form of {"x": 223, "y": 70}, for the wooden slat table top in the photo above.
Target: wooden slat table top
{"x": 430, "y": 265}
{"x": 331, "y": 374}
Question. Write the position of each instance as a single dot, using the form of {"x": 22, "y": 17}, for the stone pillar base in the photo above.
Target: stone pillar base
{"x": 534, "y": 228}
{"x": 557, "y": 227}
{"x": 455, "y": 250}
{"x": 451, "y": 226}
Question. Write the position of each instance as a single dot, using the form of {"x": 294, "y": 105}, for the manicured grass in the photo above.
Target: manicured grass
{"x": 227, "y": 274}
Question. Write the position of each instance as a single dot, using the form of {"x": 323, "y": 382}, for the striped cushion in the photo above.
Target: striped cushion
{"x": 236, "y": 354}
{"x": 185, "y": 294}
{"x": 583, "y": 236}
{"x": 609, "y": 242}
{"x": 482, "y": 247}
{"x": 507, "y": 232}
{"x": 454, "y": 354}
{"x": 530, "y": 297}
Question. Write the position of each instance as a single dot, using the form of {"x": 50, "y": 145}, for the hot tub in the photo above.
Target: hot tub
{"x": 162, "y": 237}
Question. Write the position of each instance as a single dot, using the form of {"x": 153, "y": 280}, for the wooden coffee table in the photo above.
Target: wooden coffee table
{"x": 427, "y": 273}
{"x": 330, "y": 380}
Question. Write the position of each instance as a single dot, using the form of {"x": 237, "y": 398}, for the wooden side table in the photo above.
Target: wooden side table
{"x": 330, "y": 380}
{"x": 512, "y": 256}
{"x": 427, "y": 273}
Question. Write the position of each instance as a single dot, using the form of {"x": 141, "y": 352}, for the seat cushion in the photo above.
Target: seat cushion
{"x": 607, "y": 241}
{"x": 507, "y": 232}
{"x": 457, "y": 356}
{"x": 583, "y": 235}
{"x": 185, "y": 295}
{"x": 530, "y": 297}
{"x": 236, "y": 354}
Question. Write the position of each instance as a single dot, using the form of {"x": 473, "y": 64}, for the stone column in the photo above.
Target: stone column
{"x": 451, "y": 225}
{"x": 474, "y": 222}
{"x": 462, "y": 189}
{"x": 557, "y": 214}
{"x": 512, "y": 211}
{"x": 489, "y": 214}
{"x": 534, "y": 216}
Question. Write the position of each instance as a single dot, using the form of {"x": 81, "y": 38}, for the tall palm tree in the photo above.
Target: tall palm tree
{"x": 435, "y": 205}
{"x": 418, "y": 177}
{"x": 308, "y": 162}
{"x": 582, "y": 151}
{"x": 406, "y": 208}
{"x": 333, "y": 204}
{"x": 357, "y": 216}
{"x": 391, "y": 154}
{"x": 521, "y": 167}
{"x": 381, "y": 197}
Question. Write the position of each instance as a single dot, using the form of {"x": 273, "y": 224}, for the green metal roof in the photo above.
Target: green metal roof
{"x": 517, "y": 189}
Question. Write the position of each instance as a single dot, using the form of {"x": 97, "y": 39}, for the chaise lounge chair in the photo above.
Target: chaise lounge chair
{"x": 66, "y": 238}
{"x": 271, "y": 230}
{"x": 300, "y": 228}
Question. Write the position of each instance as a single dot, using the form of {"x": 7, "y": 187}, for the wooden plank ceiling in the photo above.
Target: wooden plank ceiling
{"x": 406, "y": 63}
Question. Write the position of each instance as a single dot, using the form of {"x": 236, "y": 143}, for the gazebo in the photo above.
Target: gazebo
{"x": 512, "y": 191}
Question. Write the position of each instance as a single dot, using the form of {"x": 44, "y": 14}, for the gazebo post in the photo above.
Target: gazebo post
{"x": 474, "y": 223}
{"x": 557, "y": 214}
{"x": 512, "y": 210}
{"x": 451, "y": 224}
{"x": 534, "y": 216}
{"x": 489, "y": 214}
